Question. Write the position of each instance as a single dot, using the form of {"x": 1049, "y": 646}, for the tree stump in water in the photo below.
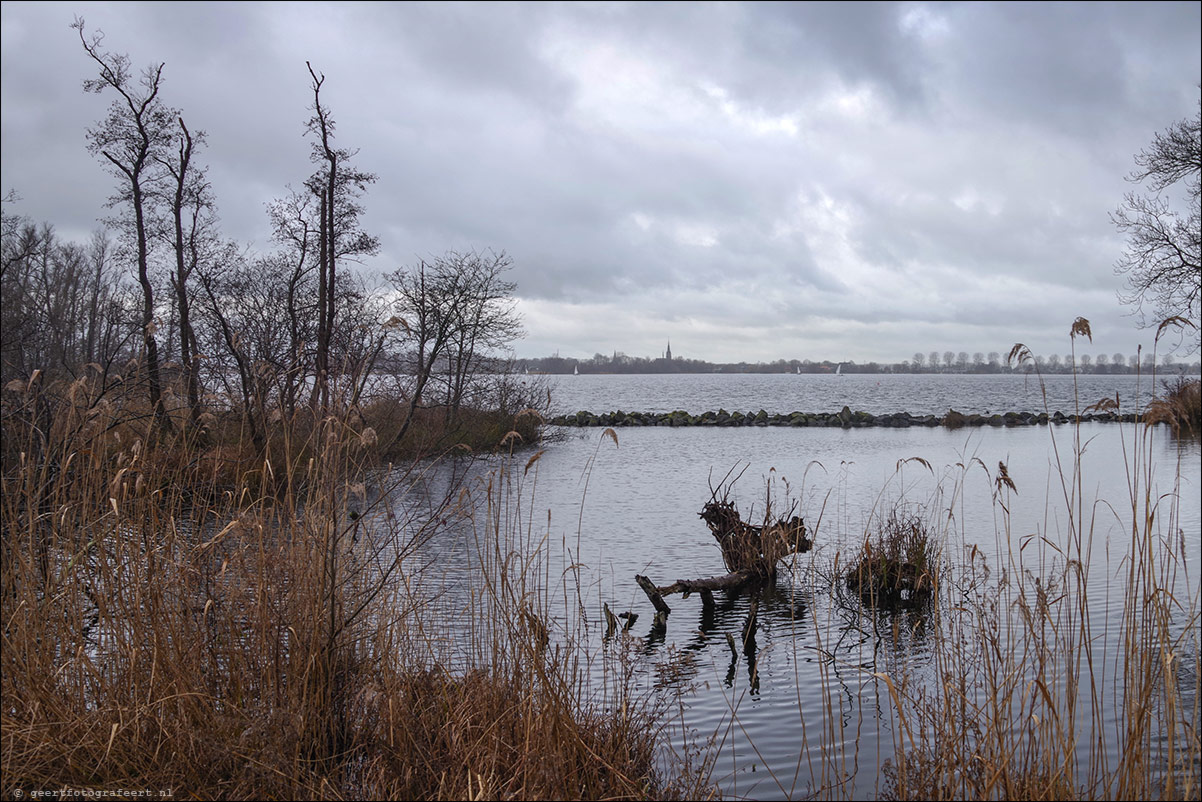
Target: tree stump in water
{"x": 749, "y": 552}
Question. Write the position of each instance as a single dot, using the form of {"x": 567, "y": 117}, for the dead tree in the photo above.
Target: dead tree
{"x": 750, "y": 553}
{"x": 136, "y": 132}
{"x": 337, "y": 187}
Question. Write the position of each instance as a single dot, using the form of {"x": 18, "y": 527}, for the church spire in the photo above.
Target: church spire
{"x": 668, "y": 353}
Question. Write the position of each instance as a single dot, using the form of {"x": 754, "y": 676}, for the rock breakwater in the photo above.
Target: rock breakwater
{"x": 845, "y": 418}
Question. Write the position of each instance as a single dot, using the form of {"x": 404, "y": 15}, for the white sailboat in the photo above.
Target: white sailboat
{"x": 575, "y": 371}
{"x": 839, "y": 370}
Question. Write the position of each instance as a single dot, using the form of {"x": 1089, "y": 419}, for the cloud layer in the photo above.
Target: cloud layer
{"x": 847, "y": 181}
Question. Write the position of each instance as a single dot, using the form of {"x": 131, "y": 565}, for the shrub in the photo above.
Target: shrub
{"x": 898, "y": 568}
{"x": 1180, "y": 406}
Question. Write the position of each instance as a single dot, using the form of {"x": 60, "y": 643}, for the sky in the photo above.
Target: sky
{"x": 848, "y": 181}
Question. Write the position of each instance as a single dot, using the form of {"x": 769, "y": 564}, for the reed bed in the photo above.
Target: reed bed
{"x": 1005, "y": 682}
{"x": 1032, "y": 697}
{"x": 189, "y": 616}
{"x": 183, "y": 623}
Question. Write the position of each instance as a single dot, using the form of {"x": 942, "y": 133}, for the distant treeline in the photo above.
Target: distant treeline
{"x": 1113, "y": 364}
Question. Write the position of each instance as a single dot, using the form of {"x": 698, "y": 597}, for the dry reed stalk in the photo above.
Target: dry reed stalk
{"x": 1019, "y": 707}
{"x": 163, "y": 629}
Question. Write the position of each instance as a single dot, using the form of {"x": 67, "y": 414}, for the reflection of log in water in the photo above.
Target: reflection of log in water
{"x": 658, "y": 631}
{"x": 734, "y": 620}
{"x": 749, "y": 646}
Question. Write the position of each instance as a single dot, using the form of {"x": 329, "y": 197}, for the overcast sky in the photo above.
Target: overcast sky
{"x": 852, "y": 181}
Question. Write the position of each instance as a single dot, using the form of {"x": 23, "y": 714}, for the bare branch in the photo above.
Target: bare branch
{"x": 1162, "y": 263}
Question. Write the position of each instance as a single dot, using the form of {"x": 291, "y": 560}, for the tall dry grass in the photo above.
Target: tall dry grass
{"x": 1180, "y": 406}
{"x": 1007, "y": 683}
{"x": 189, "y": 626}
{"x": 1035, "y": 698}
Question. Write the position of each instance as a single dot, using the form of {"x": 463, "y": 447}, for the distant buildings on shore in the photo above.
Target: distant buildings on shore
{"x": 619, "y": 362}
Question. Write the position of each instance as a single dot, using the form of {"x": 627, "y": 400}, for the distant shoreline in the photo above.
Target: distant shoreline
{"x": 845, "y": 418}
{"x": 582, "y": 367}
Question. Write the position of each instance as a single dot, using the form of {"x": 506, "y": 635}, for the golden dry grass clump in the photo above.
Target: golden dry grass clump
{"x": 899, "y": 566}
{"x": 1180, "y": 406}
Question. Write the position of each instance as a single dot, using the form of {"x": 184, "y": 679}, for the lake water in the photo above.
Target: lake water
{"x": 877, "y": 394}
{"x": 805, "y": 687}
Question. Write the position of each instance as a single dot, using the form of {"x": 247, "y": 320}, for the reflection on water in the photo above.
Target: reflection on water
{"x": 734, "y": 622}
{"x": 788, "y": 679}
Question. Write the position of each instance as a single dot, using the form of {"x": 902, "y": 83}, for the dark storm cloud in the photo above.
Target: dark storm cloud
{"x": 878, "y": 178}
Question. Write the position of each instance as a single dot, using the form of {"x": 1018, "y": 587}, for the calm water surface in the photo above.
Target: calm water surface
{"x": 612, "y": 511}
{"x": 918, "y": 394}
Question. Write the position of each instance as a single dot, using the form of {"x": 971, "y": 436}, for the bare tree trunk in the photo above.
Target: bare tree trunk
{"x": 183, "y": 267}
{"x": 319, "y": 398}
{"x": 251, "y": 398}
{"x": 331, "y": 283}
{"x": 149, "y": 343}
{"x": 327, "y": 270}
{"x": 135, "y": 131}
{"x": 98, "y": 253}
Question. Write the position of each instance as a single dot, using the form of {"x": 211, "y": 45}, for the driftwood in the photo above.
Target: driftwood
{"x": 611, "y": 620}
{"x": 750, "y": 553}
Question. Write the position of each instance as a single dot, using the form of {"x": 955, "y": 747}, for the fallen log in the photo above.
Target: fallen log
{"x": 653, "y": 594}
{"x": 611, "y": 620}
{"x": 732, "y": 581}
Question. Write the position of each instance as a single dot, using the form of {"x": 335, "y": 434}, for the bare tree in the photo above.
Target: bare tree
{"x": 189, "y": 206}
{"x": 132, "y": 137}
{"x": 1163, "y": 260}
{"x": 23, "y": 246}
{"x": 456, "y": 308}
{"x": 105, "y": 334}
{"x": 62, "y": 306}
{"x": 337, "y": 186}
{"x": 230, "y": 291}
{"x": 296, "y": 229}
{"x": 426, "y": 300}
{"x": 486, "y": 320}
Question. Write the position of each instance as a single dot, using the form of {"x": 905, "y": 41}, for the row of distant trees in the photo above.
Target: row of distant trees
{"x": 934, "y": 362}
{"x": 160, "y": 300}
